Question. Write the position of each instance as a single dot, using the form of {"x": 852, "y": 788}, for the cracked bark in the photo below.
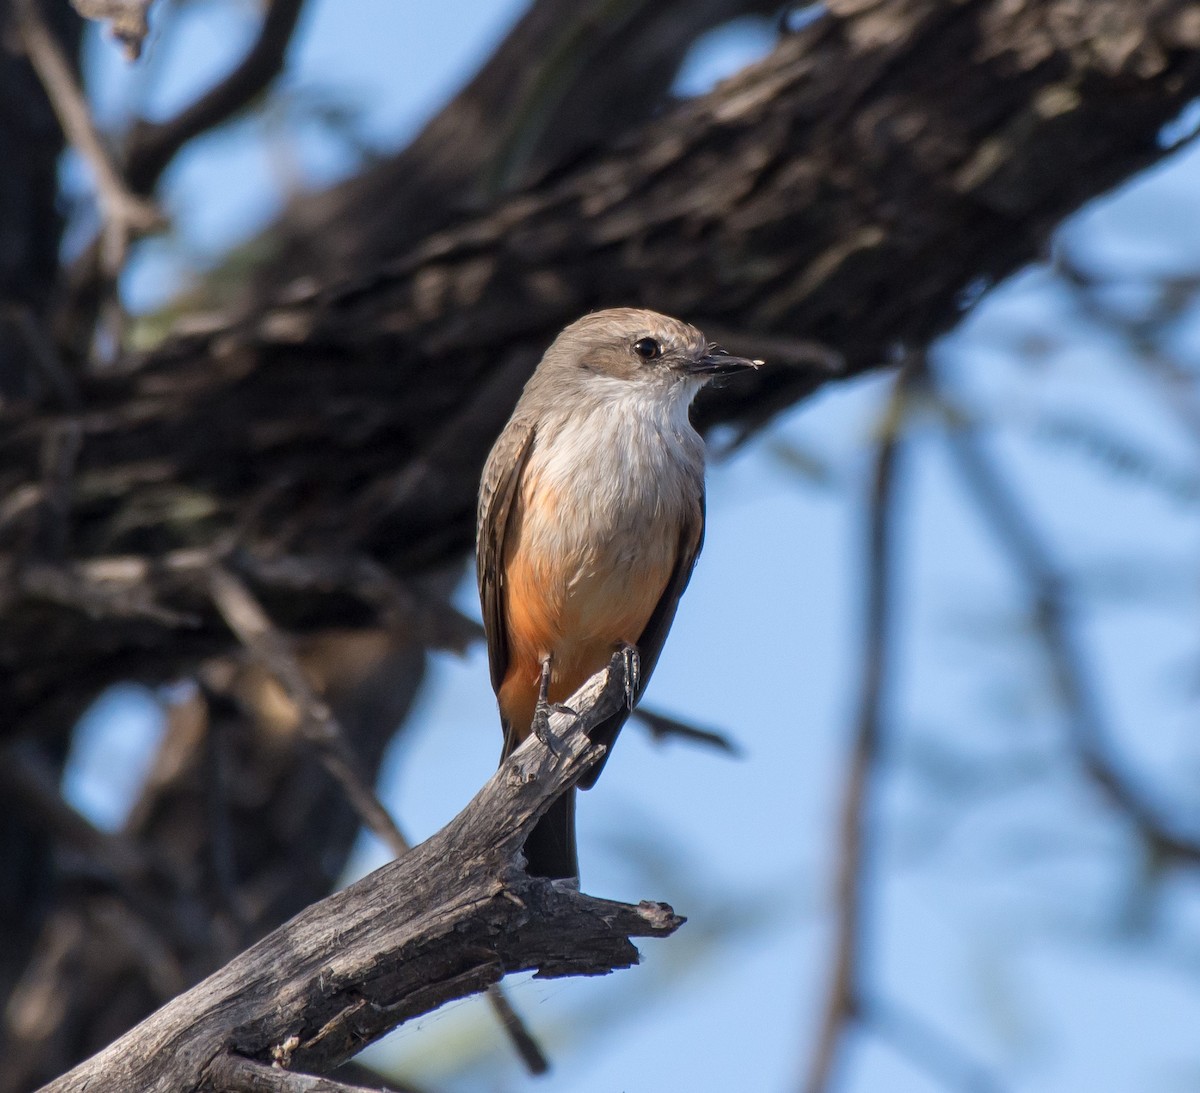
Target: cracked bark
{"x": 446, "y": 920}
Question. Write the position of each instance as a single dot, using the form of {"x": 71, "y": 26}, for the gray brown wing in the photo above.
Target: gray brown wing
{"x": 654, "y": 636}
{"x": 497, "y": 493}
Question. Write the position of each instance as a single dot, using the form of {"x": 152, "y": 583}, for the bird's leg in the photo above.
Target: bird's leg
{"x": 633, "y": 671}
{"x": 541, "y": 712}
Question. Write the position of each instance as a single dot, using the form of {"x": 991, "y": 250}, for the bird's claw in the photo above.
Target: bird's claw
{"x": 541, "y": 726}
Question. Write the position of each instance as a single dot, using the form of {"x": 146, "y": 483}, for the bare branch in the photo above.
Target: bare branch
{"x": 126, "y": 215}
{"x": 848, "y": 1003}
{"x": 152, "y": 146}
{"x": 452, "y": 916}
{"x": 665, "y": 727}
{"x": 843, "y": 1002}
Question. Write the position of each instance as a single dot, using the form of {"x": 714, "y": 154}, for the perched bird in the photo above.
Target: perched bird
{"x": 591, "y": 515}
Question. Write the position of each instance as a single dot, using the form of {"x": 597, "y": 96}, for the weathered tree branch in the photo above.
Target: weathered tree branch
{"x": 320, "y": 728}
{"x": 567, "y": 80}
{"x": 237, "y": 1074}
{"x": 446, "y": 920}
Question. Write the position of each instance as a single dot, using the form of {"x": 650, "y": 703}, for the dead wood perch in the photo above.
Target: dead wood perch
{"x": 446, "y": 920}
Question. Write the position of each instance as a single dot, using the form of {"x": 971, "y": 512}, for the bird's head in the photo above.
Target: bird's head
{"x": 652, "y": 352}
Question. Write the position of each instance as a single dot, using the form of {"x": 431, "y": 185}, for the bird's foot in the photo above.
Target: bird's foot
{"x": 633, "y": 671}
{"x": 541, "y": 721}
{"x": 541, "y": 712}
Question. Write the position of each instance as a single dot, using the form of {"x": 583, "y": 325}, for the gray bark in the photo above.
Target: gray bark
{"x": 450, "y": 917}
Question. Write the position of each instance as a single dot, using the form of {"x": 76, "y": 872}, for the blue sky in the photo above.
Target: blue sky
{"x": 1011, "y": 910}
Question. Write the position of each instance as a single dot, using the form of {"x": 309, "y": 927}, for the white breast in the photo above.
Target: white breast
{"x": 619, "y": 468}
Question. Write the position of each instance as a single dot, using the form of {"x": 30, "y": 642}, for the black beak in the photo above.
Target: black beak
{"x": 719, "y": 362}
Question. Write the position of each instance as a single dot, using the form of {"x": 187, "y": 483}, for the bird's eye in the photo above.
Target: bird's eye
{"x": 647, "y": 349}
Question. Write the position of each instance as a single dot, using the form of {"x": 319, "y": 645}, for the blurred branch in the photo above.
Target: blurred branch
{"x": 247, "y": 619}
{"x": 847, "y": 1003}
{"x": 126, "y": 214}
{"x": 144, "y": 879}
{"x": 843, "y": 1002}
{"x": 519, "y": 1036}
{"x": 153, "y": 145}
{"x": 43, "y": 354}
{"x": 1143, "y": 335}
{"x": 1014, "y": 529}
{"x": 664, "y": 727}
{"x": 32, "y": 783}
{"x": 341, "y": 974}
{"x": 923, "y": 1045}
{"x": 127, "y": 21}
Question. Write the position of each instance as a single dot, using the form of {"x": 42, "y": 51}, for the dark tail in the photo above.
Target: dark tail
{"x": 550, "y": 848}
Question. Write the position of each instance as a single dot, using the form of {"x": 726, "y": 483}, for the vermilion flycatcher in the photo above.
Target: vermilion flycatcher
{"x": 591, "y": 515}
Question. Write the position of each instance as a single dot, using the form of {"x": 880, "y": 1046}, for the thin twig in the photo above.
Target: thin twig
{"x": 151, "y": 146}
{"x": 843, "y": 1000}
{"x": 663, "y": 726}
{"x": 1142, "y": 336}
{"x": 247, "y": 619}
{"x": 848, "y": 1003}
{"x": 1089, "y": 732}
{"x": 522, "y": 1039}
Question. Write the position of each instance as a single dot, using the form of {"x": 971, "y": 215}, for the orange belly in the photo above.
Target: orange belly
{"x": 575, "y": 603}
